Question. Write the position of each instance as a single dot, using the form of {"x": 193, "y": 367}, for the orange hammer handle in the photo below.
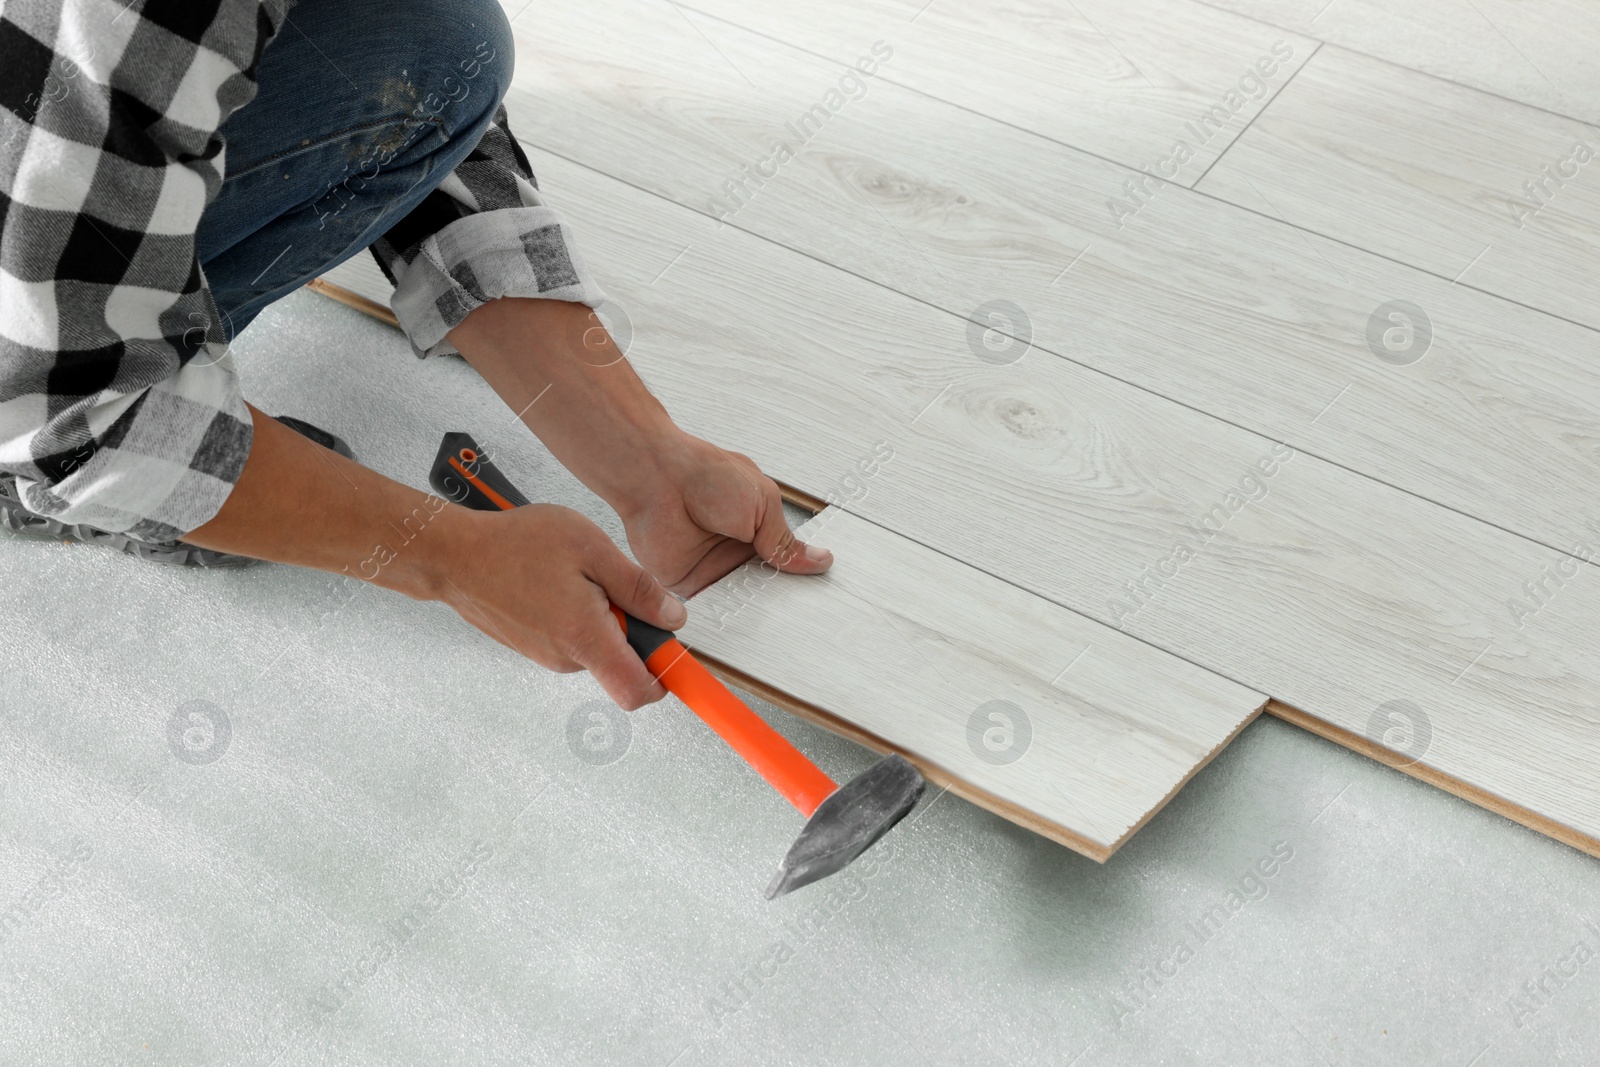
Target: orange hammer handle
{"x": 784, "y": 767}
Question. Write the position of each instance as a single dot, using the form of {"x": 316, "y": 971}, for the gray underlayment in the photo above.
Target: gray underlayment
{"x": 274, "y": 816}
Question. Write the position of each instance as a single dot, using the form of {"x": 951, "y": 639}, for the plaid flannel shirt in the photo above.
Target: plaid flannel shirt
{"x": 120, "y": 407}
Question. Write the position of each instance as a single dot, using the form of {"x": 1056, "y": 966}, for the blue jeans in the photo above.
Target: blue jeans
{"x": 363, "y": 108}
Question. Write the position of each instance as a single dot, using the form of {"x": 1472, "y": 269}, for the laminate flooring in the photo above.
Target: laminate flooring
{"x": 1406, "y": 580}
{"x": 1329, "y": 591}
{"x": 1484, "y": 191}
{"x": 1267, "y": 326}
{"x": 1119, "y": 80}
{"x": 1539, "y": 52}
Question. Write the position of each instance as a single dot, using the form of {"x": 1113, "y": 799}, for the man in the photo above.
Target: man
{"x": 168, "y": 168}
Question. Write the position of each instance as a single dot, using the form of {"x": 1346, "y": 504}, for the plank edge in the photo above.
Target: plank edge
{"x": 1438, "y": 779}
{"x": 800, "y": 498}
{"x": 360, "y": 303}
{"x": 1196, "y": 769}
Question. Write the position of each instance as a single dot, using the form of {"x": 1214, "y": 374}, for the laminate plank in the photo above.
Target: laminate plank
{"x": 1540, "y": 52}
{"x": 1493, "y": 194}
{"x": 1220, "y": 308}
{"x": 1115, "y": 80}
{"x": 1058, "y": 722}
{"x": 1329, "y": 591}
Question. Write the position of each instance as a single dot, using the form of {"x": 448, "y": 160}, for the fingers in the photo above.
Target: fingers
{"x": 721, "y": 560}
{"x": 634, "y": 589}
{"x": 607, "y": 655}
{"x": 618, "y": 667}
{"x": 597, "y": 646}
{"x": 777, "y": 544}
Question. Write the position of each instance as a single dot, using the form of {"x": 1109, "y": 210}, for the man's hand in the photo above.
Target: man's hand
{"x": 540, "y": 580}
{"x": 714, "y": 511}
{"x": 692, "y": 511}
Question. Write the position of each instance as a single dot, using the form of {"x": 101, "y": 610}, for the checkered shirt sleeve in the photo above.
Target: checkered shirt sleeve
{"x": 485, "y": 232}
{"x": 119, "y": 406}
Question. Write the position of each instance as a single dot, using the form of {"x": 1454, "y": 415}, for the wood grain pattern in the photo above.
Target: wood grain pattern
{"x": 1540, "y": 52}
{"x": 992, "y": 802}
{"x": 1227, "y": 310}
{"x": 1115, "y": 80}
{"x": 1432, "y": 174}
{"x": 1087, "y": 731}
{"x": 1329, "y": 591}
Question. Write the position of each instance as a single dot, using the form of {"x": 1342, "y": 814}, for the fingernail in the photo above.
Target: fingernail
{"x": 672, "y": 609}
{"x": 818, "y": 554}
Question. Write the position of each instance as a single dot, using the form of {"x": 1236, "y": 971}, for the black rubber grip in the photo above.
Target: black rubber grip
{"x": 448, "y": 482}
{"x": 645, "y": 638}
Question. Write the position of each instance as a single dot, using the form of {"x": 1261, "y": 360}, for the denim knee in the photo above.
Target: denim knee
{"x": 465, "y": 57}
{"x": 365, "y": 106}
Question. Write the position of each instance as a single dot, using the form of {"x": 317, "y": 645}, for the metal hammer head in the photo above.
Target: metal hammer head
{"x": 848, "y": 823}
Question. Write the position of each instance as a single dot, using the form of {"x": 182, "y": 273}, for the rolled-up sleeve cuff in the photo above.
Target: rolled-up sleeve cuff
{"x": 155, "y": 463}
{"x": 522, "y": 251}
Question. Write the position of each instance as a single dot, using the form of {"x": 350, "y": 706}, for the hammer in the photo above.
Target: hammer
{"x": 842, "y": 822}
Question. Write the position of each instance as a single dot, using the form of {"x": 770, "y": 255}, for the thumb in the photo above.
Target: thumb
{"x": 634, "y": 590}
{"x": 777, "y": 544}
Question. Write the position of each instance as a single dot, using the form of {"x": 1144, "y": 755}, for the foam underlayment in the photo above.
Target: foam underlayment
{"x": 278, "y": 817}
